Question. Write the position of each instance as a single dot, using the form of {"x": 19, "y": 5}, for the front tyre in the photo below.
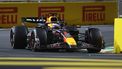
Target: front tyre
{"x": 93, "y": 36}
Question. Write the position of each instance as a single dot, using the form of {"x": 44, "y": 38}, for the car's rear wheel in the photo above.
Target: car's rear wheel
{"x": 34, "y": 43}
{"x": 94, "y": 37}
{"x": 39, "y": 40}
{"x": 18, "y": 37}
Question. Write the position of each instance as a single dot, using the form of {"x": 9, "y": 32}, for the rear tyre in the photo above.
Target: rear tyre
{"x": 34, "y": 43}
{"x": 42, "y": 35}
{"x": 18, "y": 37}
{"x": 93, "y": 36}
{"x": 39, "y": 40}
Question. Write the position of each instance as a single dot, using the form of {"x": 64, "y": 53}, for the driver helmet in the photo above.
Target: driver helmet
{"x": 52, "y": 18}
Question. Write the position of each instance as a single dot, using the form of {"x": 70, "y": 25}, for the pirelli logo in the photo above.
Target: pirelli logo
{"x": 44, "y": 11}
{"x": 8, "y": 10}
{"x": 93, "y": 13}
{"x": 8, "y": 15}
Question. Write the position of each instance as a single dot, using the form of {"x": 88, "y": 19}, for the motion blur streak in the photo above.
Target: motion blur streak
{"x": 63, "y": 63}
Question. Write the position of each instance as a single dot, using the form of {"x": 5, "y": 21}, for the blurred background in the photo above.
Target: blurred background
{"x": 50, "y": 0}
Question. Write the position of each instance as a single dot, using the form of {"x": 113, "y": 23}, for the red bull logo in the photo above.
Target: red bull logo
{"x": 93, "y": 13}
{"x": 8, "y": 15}
{"x": 44, "y": 11}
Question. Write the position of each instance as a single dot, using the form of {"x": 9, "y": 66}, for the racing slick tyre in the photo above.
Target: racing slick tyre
{"x": 40, "y": 41}
{"x": 93, "y": 36}
{"x": 18, "y": 37}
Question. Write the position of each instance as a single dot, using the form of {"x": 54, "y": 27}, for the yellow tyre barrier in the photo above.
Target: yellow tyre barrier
{"x": 116, "y": 48}
{"x": 118, "y": 35}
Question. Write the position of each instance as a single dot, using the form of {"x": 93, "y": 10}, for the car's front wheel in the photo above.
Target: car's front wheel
{"x": 94, "y": 37}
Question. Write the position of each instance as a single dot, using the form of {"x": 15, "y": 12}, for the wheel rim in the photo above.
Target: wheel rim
{"x": 12, "y": 39}
{"x": 32, "y": 43}
{"x": 35, "y": 45}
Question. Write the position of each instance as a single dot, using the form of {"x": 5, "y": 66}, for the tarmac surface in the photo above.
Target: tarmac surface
{"x": 107, "y": 53}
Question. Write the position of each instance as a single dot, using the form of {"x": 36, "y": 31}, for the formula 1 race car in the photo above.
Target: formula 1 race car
{"x": 55, "y": 35}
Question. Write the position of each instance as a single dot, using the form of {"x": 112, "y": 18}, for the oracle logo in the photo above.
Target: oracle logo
{"x": 8, "y": 15}
{"x": 44, "y": 11}
{"x": 93, "y": 13}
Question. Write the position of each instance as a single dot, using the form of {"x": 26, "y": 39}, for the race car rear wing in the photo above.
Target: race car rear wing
{"x": 38, "y": 20}
{"x": 33, "y": 20}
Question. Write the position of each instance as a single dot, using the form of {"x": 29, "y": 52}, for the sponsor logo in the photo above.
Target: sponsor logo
{"x": 8, "y": 15}
{"x": 93, "y": 13}
{"x": 44, "y": 11}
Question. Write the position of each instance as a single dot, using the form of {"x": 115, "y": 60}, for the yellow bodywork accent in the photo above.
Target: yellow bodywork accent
{"x": 71, "y": 41}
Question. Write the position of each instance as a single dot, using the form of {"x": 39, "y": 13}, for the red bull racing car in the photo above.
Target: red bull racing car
{"x": 55, "y": 35}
